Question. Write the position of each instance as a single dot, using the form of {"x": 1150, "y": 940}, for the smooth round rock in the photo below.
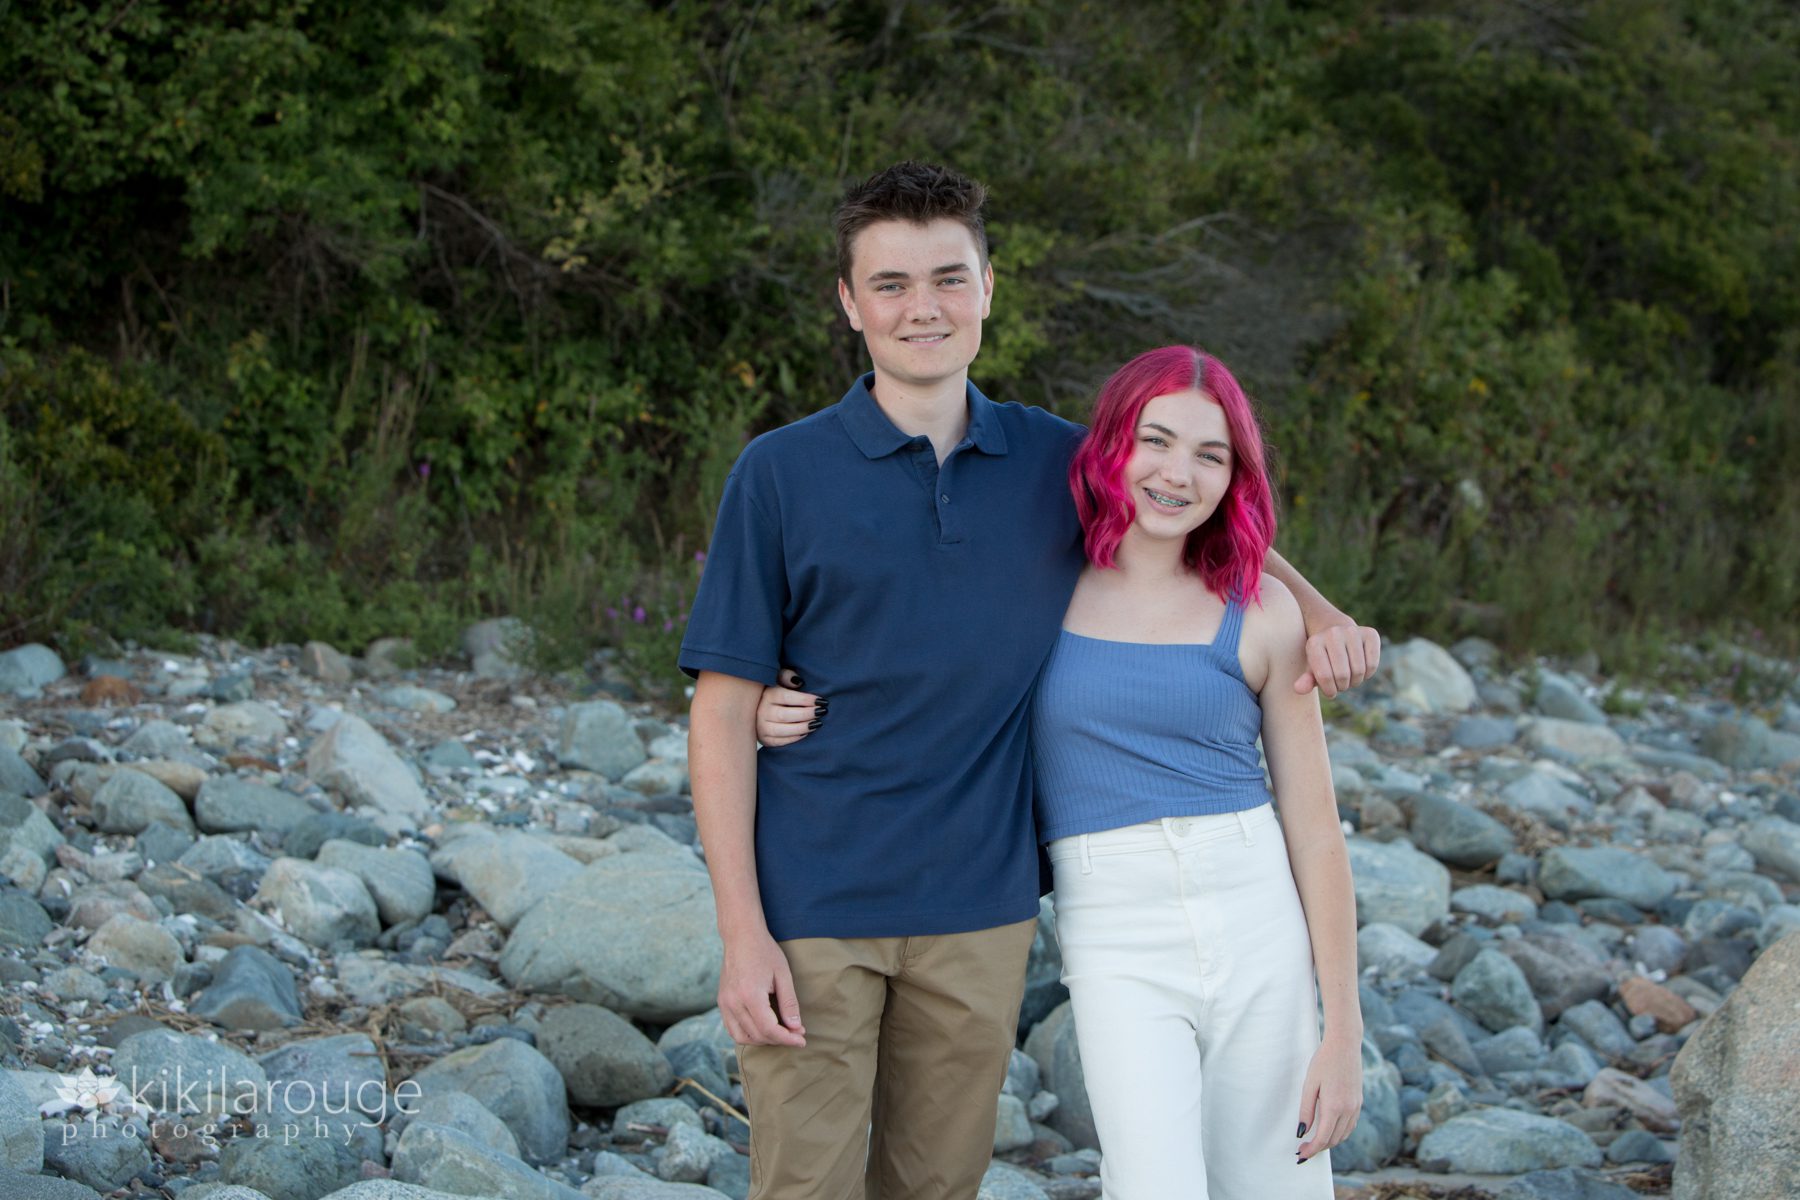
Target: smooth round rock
{"x": 603, "y": 1059}
{"x": 1493, "y": 990}
{"x": 1396, "y": 884}
{"x": 1505, "y": 1141}
{"x": 130, "y": 800}
{"x": 514, "y": 1082}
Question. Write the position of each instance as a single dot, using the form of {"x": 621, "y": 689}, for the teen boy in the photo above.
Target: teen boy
{"x": 910, "y": 551}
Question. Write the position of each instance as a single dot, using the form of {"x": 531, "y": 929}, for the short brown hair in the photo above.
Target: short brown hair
{"x": 909, "y": 191}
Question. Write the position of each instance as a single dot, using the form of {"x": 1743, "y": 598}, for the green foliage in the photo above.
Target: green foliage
{"x": 340, "y": 320}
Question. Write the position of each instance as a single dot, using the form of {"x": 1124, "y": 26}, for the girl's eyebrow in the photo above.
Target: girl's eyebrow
{"x": 1167, "y": 432}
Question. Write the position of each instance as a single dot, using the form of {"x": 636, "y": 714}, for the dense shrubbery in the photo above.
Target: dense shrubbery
{"x": 336, "y": 320}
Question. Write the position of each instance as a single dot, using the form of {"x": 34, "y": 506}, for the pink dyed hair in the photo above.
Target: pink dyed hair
{"x": 1227, "y": 551}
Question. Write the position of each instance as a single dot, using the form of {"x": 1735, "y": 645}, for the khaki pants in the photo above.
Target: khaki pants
{"x": 909, "y": 1034}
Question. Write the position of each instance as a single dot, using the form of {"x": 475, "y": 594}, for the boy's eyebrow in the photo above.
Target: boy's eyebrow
{"x": 957, "y": 268}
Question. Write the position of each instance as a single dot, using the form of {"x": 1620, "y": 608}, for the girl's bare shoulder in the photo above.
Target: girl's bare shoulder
{"x": 1276, "y": 613}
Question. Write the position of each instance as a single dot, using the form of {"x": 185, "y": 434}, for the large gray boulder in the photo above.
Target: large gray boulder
{"x": 437, "y": 1156}
{"x": 1006, "y": 1182}
{"x": 604, "y": 1060}
{"x": 598, "y": 736}
{"x": 159, "y": 739}
{"x": 1505, "y": 1141}
{"x": 1573, "y": 741}
{"x": 229, "y": 725}
{"x": 1562, "y": 968}
{"x": 1424, "y": 674}
{"x": 251, "y": 990}
{"x": 16, "y": 775}
{"x": 387, "y": 1189}
{"x": 1457, "y": 834}
{"x": 17, "y": 1185}
{"x": 1747, "y": 743}
{"x": 353, "y": 760}
{"x": 100, "y": 1154}
{"x": 1775, "y": 845}
{"x": 635, "y": 933}
{"x": 23, "y": 921}
{"x": 1582, "y": 872}
{"x": 515, "y": 1083}
{"x": 175, "y": 1072}
{"x": 290, "y": 1167}
{"x": 508, "y": 872}
{"x": 498, "y": 647}
{"x": 130, "y": 800}
{"x": 320, "y": 905}
{"x": 228, "y": 804}
{"x": 23, "y": 827}
{"x": 340, "y": 1073}
{"x": 1396, "y": 884}
{"x": 463, "y": 1112}
{"x": 132, "y": 944}
{"x": 1546, "y": 798}
{"x": 1735, "y": 1082}
{"x": 24, "y": 670}
{"x": 399, "y": 881}
{"x": 1493, "y": 990}
{"x": 1566, "y": 1183}
{"x": 1561, "y": 697}
{"x": 21, "y": 1130}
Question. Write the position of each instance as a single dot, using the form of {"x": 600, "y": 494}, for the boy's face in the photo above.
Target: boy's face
{"x": 918, "y": 296}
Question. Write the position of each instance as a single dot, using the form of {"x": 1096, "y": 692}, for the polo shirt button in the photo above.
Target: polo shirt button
{"x": 945, "y": 497}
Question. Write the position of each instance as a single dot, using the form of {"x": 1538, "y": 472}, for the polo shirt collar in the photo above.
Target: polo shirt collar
{"x": 877, "y": 437}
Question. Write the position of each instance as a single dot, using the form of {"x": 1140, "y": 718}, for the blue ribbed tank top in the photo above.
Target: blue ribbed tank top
{"x": 1126, "y": 732}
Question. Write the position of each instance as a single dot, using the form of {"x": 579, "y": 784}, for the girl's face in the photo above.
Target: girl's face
{"x": 1180, "y": 465}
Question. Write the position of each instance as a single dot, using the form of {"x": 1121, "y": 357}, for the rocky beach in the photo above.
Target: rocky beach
{"x": 286, "y": 924}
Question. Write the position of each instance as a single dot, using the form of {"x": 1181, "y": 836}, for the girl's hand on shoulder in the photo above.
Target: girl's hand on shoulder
{"x": 785, "y": 714}
{"x": 1331, "y": 1097}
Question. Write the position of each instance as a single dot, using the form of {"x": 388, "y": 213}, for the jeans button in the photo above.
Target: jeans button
{"x": 1179, "y": 828}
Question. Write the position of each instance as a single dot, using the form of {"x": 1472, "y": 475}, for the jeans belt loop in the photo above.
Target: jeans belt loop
{"x": 1244, "y": 824}
{"x": 1087, "y": 862}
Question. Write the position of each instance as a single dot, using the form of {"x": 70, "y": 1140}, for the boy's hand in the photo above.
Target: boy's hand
{"x": 785, "y": 714}
{"x": 756, "y": 994}
{"x": 1339, "y": 657}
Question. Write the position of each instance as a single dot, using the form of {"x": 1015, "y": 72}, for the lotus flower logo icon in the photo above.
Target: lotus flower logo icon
{"x": 89, "y": 1093}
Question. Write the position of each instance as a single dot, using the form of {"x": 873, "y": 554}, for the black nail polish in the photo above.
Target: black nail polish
{"x": 814, "y": 723}
{"x": 1301, "y": 1132}
{"x": 822, "y": 704}
{"x": 1301, "y": 1163}
{"x": 799, "y": 682}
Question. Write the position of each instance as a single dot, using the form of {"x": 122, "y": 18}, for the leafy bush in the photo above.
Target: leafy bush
{"x": 334, "y": 320}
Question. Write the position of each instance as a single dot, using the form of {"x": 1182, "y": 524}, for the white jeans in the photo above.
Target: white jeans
{"x": 1186, "y": 954}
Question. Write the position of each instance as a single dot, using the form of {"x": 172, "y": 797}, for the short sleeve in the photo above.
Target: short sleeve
{"x": 734, "y": 626}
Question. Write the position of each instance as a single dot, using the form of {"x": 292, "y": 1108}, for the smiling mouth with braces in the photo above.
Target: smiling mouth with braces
{"x": 1165, "y": 501}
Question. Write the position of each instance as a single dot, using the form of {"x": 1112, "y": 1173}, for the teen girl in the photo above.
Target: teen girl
{"x": 1192, "y": 922}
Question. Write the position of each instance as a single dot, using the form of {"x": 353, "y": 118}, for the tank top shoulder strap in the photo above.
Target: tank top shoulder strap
{"x": 1225, "y": 642}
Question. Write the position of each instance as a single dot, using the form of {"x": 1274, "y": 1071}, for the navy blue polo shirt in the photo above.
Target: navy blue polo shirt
{"x": 923, "y": 601}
